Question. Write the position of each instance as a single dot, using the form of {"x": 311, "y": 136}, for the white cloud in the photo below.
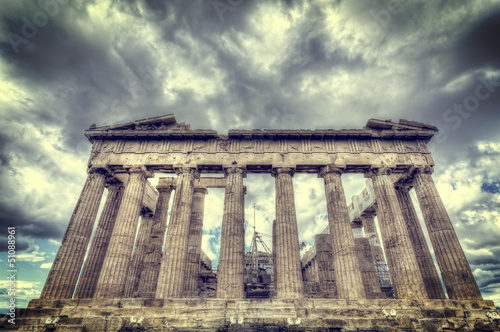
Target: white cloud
{"x": 206, "y": 246}
{"x": 25, "y": 291}
{"x": 46, "y": 266}
{"x": 30, "y": 255}
{"x": 55, "y": 242}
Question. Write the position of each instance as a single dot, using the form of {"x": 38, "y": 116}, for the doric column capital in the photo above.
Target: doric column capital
{"x": 139, "y": 169}
{"x": 114, "y": 186}
{"x": 100, "y": 169}
{"x": 424, "y": 169}
{"x": 283, "y": 170}
{"x": 202, "y": 190}
{"x": 235, "y": 170}
{"x": 330, "y": 169}
{"x": 378, "y": 170}
{"x": 164, "y": 188}
{"x": 402, "y": 186}
{"x": 187, "y": 170}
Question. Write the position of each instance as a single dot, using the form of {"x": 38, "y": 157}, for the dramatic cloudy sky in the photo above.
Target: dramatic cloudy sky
{"x": 245, "y": 64}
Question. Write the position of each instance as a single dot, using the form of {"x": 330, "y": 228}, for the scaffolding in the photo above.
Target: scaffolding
{"x": 259, "y": 266}
{"x": 384, "y": 278}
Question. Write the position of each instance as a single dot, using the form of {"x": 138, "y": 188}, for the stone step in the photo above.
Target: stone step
{"x": 256, "y": 315}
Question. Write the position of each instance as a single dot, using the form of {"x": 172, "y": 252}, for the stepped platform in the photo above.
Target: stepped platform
{"x": 191, "y": 314}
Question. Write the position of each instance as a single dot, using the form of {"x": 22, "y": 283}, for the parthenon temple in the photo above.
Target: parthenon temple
{"x": 140, "y": 266}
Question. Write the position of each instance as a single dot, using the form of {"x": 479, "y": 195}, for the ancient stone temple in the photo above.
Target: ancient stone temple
{"x": 145, "y": 269}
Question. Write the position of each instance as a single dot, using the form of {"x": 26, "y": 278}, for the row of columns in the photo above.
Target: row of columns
{"x": 408, "y": 256}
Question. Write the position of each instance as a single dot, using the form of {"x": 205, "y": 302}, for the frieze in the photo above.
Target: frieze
{"x": 399, "y": 146}
{"x": 364, "y": 145}
{"x": 352, "y": 146}
{"x": 329, "y": 145}
{"x": 306, "y": 146}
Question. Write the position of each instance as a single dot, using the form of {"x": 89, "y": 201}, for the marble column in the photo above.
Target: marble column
{"x": 403, "y": 266}
{"x": 324, "y": 261}
{"x": 345, "y": 260}
{"x": 288, "y": 267}
{"x": 422, "y": 252}
{"x": 370, "y": 231}
{"x": 63, "y": 275}
{"x": 322, "y": 270}
{"x": 99, "y": 246}
{"x": 275, "y": 272}
{"x": 116, "y": 264}
{"x": 455, "y": 270}
{"x": 194, "y": 243}
{"x": 137, "y": 260}
{"x": 232, "y": 244}
{"x": 366, "y": 264}
{"x": 173, "y": 264}
{"x": 152, "y": 258}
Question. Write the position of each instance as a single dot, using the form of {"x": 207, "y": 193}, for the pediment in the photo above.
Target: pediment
{"x": 164, "y": 122}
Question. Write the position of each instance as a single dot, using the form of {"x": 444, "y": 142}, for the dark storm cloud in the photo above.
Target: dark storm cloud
{"x": 308, "y": 52}
{"x": 4, "y": 154}
{"x": 65, "y": 64}
{"x": 27, "y": 227}
{"x": 480, "y": 45}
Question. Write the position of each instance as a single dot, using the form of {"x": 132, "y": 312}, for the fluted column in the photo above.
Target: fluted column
{"x": 275, "y": 271}
{"x": 232, "y": 244}
{"x": 366, "y": 263}
{"x": 455, "y": 270}
{"x": 417, "y": 238}
{"x": 370, "y": 231}
{"x": 324, "y": 261}
{"x": 345, "y": 260}
{"x": 194, "y": 243}
{"x": 173, "y": 264}
{"x": 403, "y": 266}
{"x": 137, "y": 261}
{"x": 99, "y": 246}
{"x": 63, "y": 275}
{"x": 288, "y": 266}
{"x": 149, "y": 276}
{"x": 116, "y": 264}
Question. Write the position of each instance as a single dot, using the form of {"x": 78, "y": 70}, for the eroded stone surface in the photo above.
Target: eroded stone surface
{"x": 251, "y": 315}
